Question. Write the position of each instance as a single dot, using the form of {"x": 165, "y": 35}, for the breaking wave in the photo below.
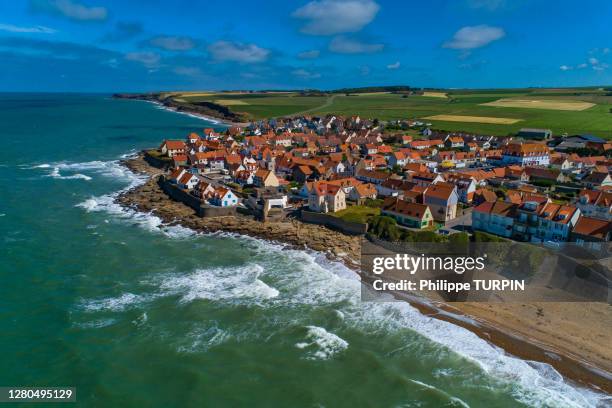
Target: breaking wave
{"x": 321, "y": 344}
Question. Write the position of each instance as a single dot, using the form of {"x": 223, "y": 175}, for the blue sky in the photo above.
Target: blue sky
{"x": 147, "y": 45}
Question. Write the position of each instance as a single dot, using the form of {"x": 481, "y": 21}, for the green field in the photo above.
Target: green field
{"x": 387, "y": 106}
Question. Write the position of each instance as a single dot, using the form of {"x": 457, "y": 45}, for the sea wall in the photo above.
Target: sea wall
{"x": 201, "y": 209}
{"x": 350, "y": 228}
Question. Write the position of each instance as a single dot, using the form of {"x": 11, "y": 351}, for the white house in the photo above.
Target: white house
{"x": 223, "y": 197}
{"x": 526, "y": 154}
{"x": 325, "y": 197}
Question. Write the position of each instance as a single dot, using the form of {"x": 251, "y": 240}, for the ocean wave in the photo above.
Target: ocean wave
{"x": 115, "y": 304}
{"x": 55, "y": 173}
{"x": 321, "y": 344}
{"x": 218, "y": 284}
{"x": 203, "y": 338}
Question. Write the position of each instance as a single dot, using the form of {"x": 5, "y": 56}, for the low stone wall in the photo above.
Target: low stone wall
{"x": 346, "y": 227}
{"x": 155, "y": 162}
{"x": 201, "y": 209}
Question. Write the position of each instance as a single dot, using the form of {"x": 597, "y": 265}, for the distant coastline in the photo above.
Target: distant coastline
{"x": 211, "y": 112}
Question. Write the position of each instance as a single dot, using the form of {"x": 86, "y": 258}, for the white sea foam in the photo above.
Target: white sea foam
{"x": 218, "y": 284}
{"x": 115, "y": 304}
{"x": 203, "y": 338}
{"x": 321, "y": 344}
{"x": 96, "y": 324}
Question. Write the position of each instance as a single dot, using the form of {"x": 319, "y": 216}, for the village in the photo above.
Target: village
{"x": 399, "y": 180}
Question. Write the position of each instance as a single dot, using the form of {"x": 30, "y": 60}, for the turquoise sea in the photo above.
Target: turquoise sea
{"x": 137, "y": 314}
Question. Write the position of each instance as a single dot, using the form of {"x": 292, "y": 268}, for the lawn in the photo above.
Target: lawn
{"x": 357, "y": 213}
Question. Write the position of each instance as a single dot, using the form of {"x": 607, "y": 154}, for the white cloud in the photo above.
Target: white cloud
{"x": 309, "y": 54}
{"x": 72, "y": 9}
{"x": 304, "y": 74}
{"x": 580, "y": 66}
{"x": 171, "y": 43}
{"x": 228, "y": 51}
{"x": 328, "y": 17}
{"x": 472, "y": 37}
{"x": 148, "y": 59}
{"x": 565, "y": 68}
{"x": 33, "y": 29}
{"x": 343, "y": 45}
{"x": 593, "y": 61}
{"x": 395, "y": 65}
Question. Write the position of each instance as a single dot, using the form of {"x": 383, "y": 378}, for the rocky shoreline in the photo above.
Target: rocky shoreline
{"x": 506, "y": 325}
{"x": 149, "y": 197}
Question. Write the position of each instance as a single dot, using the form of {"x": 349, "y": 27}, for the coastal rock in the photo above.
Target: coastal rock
{"x": 149, "y": 197}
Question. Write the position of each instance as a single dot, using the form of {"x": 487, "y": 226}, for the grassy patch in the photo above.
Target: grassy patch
{"x": 357, "y": 213}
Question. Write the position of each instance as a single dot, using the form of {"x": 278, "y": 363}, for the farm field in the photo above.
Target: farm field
{"x": 554, "y": 104}
{"x": 476, "y": 119}
{"x": 594, "y": 118}
{"x": 260, "y": 105}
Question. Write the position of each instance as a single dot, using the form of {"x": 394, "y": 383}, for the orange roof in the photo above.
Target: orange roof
{"x": 558, "y": 213}
{"x": 440, "y": 190}
{"x": 592, "y": 227}
{"x": 365, "y": 189}
{"x": 406, "y": 208}
{"x": 174, "y": 144}
{"x": 526, "y": 149}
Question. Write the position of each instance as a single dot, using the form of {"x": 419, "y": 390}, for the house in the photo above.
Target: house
{"x": 412, "y": 215}
{"x": 526, "y": 222}
{"x": 324, "y": 197}
{"x": 303, "y": 173}
{"x": 535, "y": 134}
{"x": 484, "y": 195}
{"x": 526, "y": 154}
{"x": 393, "y": 187}
{"x": 203, "y": 190}
{"x": 466, "y": 186}
{"x": 244, "y": 177}
{"x": 372, "y": 176}
{"x": 398, "y": 159}
{"x": 172, "y": 147}
{"x": 561, "y": 163}
{"x": 495, "y": 217}
{"x": 265, "y": 178}
{"x": 176, "y": 175}
{"x": 595, "y": 204}
{"x": 555, "y": 223}
{"x": 442, "y": 200}
{"x": 536, "y": 174}
{"x": 591, "y": 232}
{"x": 362, "y": 192}
{"x": 597, "y": 179}
{"x": 223, "y": 197}
{"x": 426, "y": 178}
{"x": 454, "y": 142}
{"x": 188, "y": 181}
